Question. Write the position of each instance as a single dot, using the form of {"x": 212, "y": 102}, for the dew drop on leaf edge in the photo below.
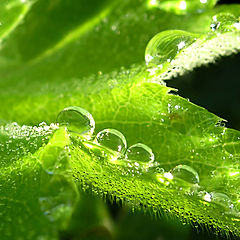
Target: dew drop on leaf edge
{"x": 185, "y": 173}
{"x": 77, "y": 120}
{"x": 224, "y": 22}
{"x": 164, "y": 46}
{"x": 112, "y": 139}
{"x": 139, "y": 152}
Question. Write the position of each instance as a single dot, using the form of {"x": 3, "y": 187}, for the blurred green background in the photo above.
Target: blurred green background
{"x": 97, "y": 220}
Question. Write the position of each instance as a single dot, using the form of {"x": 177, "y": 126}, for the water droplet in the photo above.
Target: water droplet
{"x": 221, "y": 199}
{"x": 183, "y": 6}
{"x": 77, "y": 120}
{"x": 224, "y": 22}
{"x": 185, "y": 173}
{"x": 157, "y": 169}
{"x": 164, "y": 46}
{"x": 140, "y": 152}
{"x": 112, "y": 139}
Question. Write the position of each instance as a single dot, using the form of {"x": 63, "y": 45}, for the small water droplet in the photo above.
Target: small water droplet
{"x": 140, "y": 152}
{"x": 164, "y": 46}
{"x": 186, "y": 173}
{"x": 183, "y": 6}
{"x": 157, "y": 169}
{"x": 224, "y": 22}
{"x": 77, "y": 120}
{"x": 221, "y": 199}
{"x": 112, "y": 139}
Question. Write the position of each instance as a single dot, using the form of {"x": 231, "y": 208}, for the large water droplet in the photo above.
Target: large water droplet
{"x": 224, "y": 22}
{"x": 112, "y": 139}
{"x": 77, "y": 120}
{"x": 140, "y": 152}
{"x": 183, "y": 6}
{"x": 164, "y": 46}
{"x": 185, "y": 173}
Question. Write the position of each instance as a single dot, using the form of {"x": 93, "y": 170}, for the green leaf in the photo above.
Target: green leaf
{"x": 12, "y": 14}
{"x": 36, "y": 201}
{"x": 42, "y": 73}
{"x": 179, "y": 133}
{"x": 120, "y": 29}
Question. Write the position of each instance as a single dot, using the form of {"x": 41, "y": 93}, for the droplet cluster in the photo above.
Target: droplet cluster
{"x": 108, "y": 143}
{"x": 138, "y": 159}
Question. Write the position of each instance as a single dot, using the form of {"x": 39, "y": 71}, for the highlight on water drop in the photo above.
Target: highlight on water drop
{"x": 204, "y": 195}
{"x": 139, "y": 152}
{"x": 182, "y": 7}
{"x": 112, "y": 139}
{"x": 224, "y": 22}
{"x": 164, "y": 46}
{"x": 185, "y": 173}
{"x": 77, "y": 120}
{"x": 164, "y": 177}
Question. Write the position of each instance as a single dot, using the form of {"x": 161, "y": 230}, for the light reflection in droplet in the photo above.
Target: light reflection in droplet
{"x": 168, "y": 175}
{"x": 182, "y": 5}
{"x": 207, "y": 197}
{"x": 231, "y": 174}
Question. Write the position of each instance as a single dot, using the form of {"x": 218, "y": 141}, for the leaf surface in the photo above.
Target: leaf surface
{"x": 51, "y": 73}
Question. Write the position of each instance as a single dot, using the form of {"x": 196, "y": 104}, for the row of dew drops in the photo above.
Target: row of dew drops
{"x": 137, "y": 159}
{"x": 164, "y": 46}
